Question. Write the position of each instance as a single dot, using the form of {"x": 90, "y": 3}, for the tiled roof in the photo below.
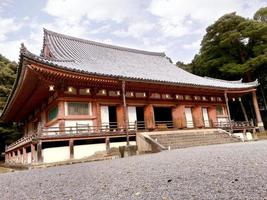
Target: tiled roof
{"x": 108, "y": 60}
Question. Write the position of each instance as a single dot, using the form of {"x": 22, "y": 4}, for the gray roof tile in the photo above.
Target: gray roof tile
{"x": 97, "y": 58}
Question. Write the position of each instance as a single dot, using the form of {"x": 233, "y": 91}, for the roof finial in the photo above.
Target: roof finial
{"x": 23, "y": 49}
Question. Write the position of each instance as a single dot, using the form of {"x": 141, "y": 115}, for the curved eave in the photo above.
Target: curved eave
{"x": 14, "y": 88}
{"x": 49, "y": 63}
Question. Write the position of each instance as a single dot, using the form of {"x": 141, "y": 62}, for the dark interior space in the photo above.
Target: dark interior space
{"x": 236, "y": 111}
{"x": 91, "y": 141}
{"x": 140, "y": 114}
{"x": 112, "y": 117}
{"x": 54, "y": 144}
{"x": 162, "y": 114}
{"x": 140, "y": 118}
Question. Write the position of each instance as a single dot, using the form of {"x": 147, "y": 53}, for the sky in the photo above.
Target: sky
{"x": 175, "y": 27}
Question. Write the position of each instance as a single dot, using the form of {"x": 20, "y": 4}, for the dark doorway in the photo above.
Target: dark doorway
{"x": 163, "y": 117}
{"x": 236, "y": 111}
{"x": 140, "y": 118}
{"x": 163, "y": 114}
{"x": 112, "y": 117}
{"x": 140, "y": 114}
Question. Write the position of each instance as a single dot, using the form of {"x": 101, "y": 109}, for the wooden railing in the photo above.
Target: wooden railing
{"x": 115, "y": 128}
{"x": 234, "y": 125}
{"x": 105, "y": 128}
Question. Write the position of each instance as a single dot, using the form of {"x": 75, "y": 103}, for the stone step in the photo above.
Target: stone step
{"x": 190, "y": 139}
{"x": 196, "y": 142}
{"x": 166, "y": 139}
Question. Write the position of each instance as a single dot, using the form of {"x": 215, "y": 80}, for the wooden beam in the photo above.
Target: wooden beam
{"x": 125, "y": 112}
{"x": 71, "y": 146}
{"x": 32, "y": 153}
{"x": 39, "y": 152}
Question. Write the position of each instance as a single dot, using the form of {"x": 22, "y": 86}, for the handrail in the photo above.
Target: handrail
{"x": 116, "y": 128}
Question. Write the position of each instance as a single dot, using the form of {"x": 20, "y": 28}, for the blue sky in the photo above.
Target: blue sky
{"x": 175, "y": 27}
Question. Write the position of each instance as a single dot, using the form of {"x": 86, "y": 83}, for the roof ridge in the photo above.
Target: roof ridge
{"x": 49, "y": 32}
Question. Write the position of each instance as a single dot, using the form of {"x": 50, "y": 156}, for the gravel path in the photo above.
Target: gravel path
{"x": 229, "y": 171}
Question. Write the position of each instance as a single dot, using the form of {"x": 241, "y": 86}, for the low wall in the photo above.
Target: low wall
{"x": 58, "y": 154}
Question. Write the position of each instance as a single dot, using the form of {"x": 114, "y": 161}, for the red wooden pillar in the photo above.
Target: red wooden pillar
{"x": 120, "y": 116}
{"x": 61, "y": 115}
{"x": 24, "y": 153}
{"x": 257, "y": 111}
{"x": 97, "y": 113}
{"x": 198, "y": 116}
{"x": 178, "y": 116}
{"x": 32, "y": 153}
{"x": 71, "y": 146}
{"x": 212, "y": 114}
{"x": 149, "y": 116}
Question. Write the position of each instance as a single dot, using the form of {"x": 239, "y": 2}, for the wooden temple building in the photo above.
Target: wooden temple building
{"x": 80, "y": 96}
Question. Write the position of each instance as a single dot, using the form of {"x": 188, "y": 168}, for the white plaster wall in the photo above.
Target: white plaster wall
{"x": 73, "y": 123}
{"x": 56, "y": 126}
{"x": 82, "y": 151}
{"x": 117, "y": 144}
{"x": 56, "y": 154}
{"x": 29, "y": 157}
{"x": 80, "y": 122}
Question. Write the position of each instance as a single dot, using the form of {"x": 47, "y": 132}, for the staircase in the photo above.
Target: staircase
{"x": 190, "y": 138}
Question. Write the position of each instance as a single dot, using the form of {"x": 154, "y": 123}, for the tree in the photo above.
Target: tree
{"x": 232, "y": 47}
{"x": 8, "y": 132}
{"x": 235, "y": 47}
{"x": 261, "y": 15}
{"x": 186, "y": 67}
{"x": 7, "y": 77}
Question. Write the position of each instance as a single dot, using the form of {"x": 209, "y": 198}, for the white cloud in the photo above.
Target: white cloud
{"x": 179, "y": 18}
{"x": 192, "y": 46}
{"x": 4, "y": 4}
{"x": 116, "y": 10}
{"x": 136, "y": 30}
{"x": 8, "y": 25}
{"x": 10, "y": 49}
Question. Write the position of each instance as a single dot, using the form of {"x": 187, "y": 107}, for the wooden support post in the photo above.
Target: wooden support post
{"x": 71, "y": 146}
{"x": 149, "y": 117}
{"x": 257, "y": 111}
{"x": 39, "y": 152}
{"x": 18, "y": 156}
{"x": 198, "y": 116}
{"x": 212, "y": 115}
{"x": 125, "y": 112}
{"x": 32, "y": 153}
{"x": 228, "y": 111}
{"x": 61, "y": 114}
{"x": 120, "y": 117}
{"x": 24, "y": 155}
{"x": 6, "y": 157}
{"x": 243, "y": 109}
{"x": 13, "y": 156}
{"x": 107, "y": 144}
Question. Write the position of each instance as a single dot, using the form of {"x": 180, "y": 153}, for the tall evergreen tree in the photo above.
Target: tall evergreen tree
{"x": 8, "y": 132}
{"x": 232, "y": 47}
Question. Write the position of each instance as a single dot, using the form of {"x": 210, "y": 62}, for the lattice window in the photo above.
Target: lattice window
{"x": 77, "y": 108}
{"x": 52, "y": 113}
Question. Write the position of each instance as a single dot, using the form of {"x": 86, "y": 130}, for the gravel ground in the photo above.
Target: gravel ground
{"x": 228, "y": 171}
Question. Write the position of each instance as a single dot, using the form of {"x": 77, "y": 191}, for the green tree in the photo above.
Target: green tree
{"x": 8, "y": 132}
{"x": 232, "y": 47}
{"x": 186, "y": 67}
{"x": 261, "y": 15}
